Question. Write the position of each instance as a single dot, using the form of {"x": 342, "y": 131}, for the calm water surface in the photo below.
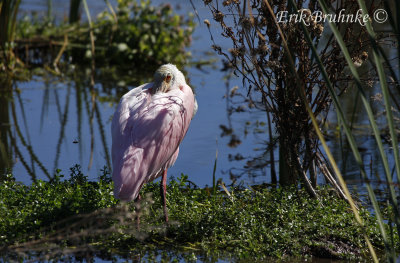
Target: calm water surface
{"x": 50, "y": 108}
{"x": 47, "y": 112}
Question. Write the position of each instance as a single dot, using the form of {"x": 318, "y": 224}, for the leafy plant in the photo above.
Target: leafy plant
{"x": 144, "y": 35}
{"x": 26, "y": 209}
{"x": 136, "y": 35}
{"x": 267, "y": 48}
{"x": 255, "y": 223}
{"x": 8, "y": 18}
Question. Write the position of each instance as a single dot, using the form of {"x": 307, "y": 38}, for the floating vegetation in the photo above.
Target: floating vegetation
{"x": 137, "y": 35}
{"x": 74, "y": 216}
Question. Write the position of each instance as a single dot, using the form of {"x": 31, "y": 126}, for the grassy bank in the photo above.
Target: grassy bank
{"x": 73, "y": 215}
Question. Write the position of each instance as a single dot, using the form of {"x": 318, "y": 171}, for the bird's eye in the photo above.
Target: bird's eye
{"x": 168, "y": 78}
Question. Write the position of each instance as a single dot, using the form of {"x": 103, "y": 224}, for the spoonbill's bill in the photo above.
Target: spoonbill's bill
{"x": 147, "y": 128}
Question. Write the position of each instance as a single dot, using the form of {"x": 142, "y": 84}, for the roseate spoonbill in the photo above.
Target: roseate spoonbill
{"x": 147, "y": 128}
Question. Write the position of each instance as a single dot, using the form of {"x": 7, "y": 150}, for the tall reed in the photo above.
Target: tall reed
{"x": 74, "y": 8}
{"x": 378, "y": 57}
{"x": 294, "y": 71}
{"x": 8, "y": 18}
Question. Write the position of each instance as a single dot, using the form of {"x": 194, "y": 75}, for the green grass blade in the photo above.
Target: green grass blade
{"x": 385, "y": 91}
{"x": 15, "y": 7}
{"x": 393, "y": 75}
{"x": 389, "y": 115}
{"x": 368, "y": 109}
{"x": 301, "y": 92}
{"x": 364, "y": 99}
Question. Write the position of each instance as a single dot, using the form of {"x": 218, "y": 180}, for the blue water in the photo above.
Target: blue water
{"x": 44, "y": 104}
{"x": 198, "y": 150}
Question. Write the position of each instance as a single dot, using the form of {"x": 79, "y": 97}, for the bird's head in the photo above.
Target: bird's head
{"x": 166, "y": 78}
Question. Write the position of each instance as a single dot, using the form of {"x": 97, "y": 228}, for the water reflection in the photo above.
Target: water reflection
{"x": 55, "y": 122}
{"x": 48, "y": 117}
{"x": 51, "y": 122}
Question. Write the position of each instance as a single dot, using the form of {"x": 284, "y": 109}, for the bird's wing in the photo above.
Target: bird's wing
{"x": 160, "y": 127}
{"x": 130, "y": 103}
{"x": 150, "y": 138}
{"x": 125, "y": 156}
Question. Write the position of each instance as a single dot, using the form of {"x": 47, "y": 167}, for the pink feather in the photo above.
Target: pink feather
{"x": 146, "y": 132}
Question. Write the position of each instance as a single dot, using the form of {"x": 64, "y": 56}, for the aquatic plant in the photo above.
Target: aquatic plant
{"x": 277, "y": 79}
{"x": 8, "y": 18}
{"x": 71, "y": 215}
{"x": 134, "y": 35}
{"x": 122, "y": 43}
{"x": 283, "y": 74}
{"x": 388, "y": 92}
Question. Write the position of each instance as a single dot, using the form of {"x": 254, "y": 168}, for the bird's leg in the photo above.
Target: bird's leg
{"x": 163, "y": 190}
{"x": 137, "y": 205}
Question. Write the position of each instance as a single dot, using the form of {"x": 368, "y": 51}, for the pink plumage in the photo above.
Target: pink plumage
{"x": 147, "y": 128}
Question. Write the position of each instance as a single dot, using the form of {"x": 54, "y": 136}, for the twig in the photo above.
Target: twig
{"x": 195, "y": 11}
{"x": 63, "y": 47}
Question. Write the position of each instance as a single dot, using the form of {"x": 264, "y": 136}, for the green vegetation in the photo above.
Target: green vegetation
{"x": 136, "y": 34}
{"x": 298, "y": 69}
{"x": 24, "y": 209}
{"x": 8, "y": 18}
{"x": 254, "y": 223}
